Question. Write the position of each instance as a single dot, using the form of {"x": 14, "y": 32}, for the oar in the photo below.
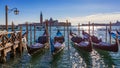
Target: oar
{"x": 52, "y": 45}
{"x": 79, "y": 29}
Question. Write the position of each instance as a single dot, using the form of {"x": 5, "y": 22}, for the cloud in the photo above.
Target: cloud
{"x": 96, "y": 18}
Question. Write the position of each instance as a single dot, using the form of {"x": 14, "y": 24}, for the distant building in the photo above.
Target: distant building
{"x": 56, "y": 23}
{"x": 116, "y": 24}
{"x": 2, "y": 27}
{"x": 50, "y": 22}
{"x": 99, "y": 24}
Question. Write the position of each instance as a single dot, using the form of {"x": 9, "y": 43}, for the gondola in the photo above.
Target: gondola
{"x": 99, "y": 44}
{"x": 41, "y": 44}
{"x": 80, "y": 42}
{"x": 93, "y": 37}
{"x": 104, "y": 45}
{"x": 57, "y": 43}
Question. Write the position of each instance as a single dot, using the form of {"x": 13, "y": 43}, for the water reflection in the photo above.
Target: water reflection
{"x": 35, "y": 59}
{"x": 55, "y": 60}
{"x": 107, "y": 59}
{"x": 85, "y": 59}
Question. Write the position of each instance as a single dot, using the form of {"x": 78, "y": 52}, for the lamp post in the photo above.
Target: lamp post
{"x": 6, "y": 14}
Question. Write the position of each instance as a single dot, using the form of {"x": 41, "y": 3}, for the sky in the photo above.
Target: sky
{"x": 75, "y": 11}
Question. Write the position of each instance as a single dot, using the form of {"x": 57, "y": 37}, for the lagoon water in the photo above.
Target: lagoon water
{"x": 68, "y": 58}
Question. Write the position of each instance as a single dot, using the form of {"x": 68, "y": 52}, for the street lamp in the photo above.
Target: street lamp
{"x": 6, "y": 14}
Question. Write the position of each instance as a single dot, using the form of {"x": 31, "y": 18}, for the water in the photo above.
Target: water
{"x": 68, "y": 58}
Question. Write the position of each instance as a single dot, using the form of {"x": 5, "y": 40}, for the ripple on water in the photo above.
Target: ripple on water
{"x": 71, "y": 58}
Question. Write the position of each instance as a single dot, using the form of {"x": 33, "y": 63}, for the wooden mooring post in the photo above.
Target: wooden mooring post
{"x": 20, "y": 41}
{"x": 30, "y": 34}
{"x": 79, "y": 29}
{"x": 12, "y": 26}
{"x": 34, "y": 32}
{"x": 50, "y": 29}
{"x": 89, "y": 27}
{"x": 106, "y": 33}
{"x": 93, "y": 29}
{"x": 27, "y": 31}
{"x": 12, "y": 47}
{"x": 68, "y": 33}
{"x": 47, "y": 29}
{"x": 110, "y": 31}
{"x": 64, "y": 29}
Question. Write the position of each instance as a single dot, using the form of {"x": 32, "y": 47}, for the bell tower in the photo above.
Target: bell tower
{"x": 41, "y": 18}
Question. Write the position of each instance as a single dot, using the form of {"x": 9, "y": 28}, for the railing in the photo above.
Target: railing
{"x": 9, "y": 37}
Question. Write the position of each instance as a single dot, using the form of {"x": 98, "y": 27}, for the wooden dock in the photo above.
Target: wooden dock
{"x": 10, "y": 42}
